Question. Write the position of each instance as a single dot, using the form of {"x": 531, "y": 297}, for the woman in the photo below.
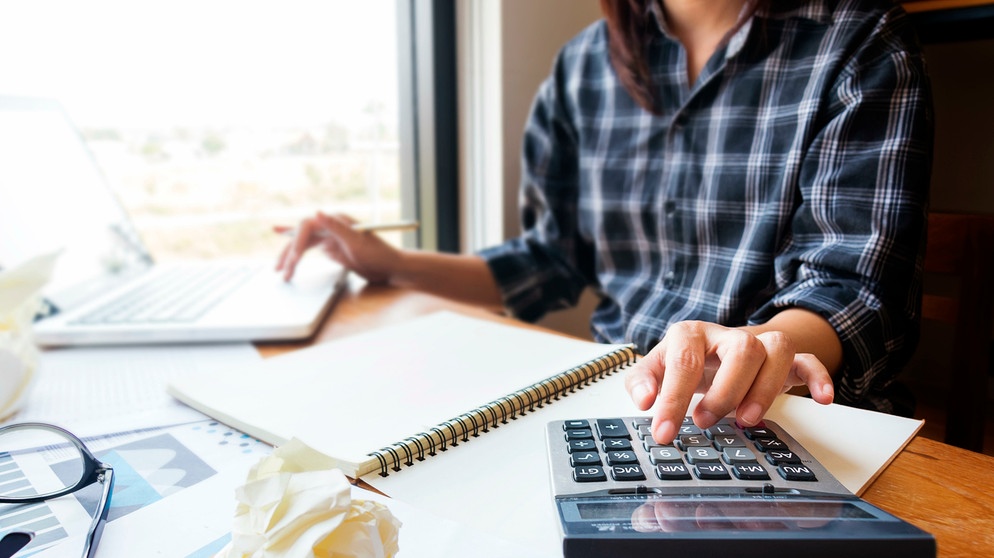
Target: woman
{"x": 744, "y": 184}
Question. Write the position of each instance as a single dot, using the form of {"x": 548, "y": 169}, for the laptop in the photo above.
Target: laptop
{"x": 106, "y": 287}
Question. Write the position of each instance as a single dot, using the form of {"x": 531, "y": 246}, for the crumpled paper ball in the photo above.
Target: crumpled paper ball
{"x": 295, "y": 503}
{"x": 19, "y": 302}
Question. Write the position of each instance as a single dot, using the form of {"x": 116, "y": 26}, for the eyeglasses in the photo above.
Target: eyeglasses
{"x": 79, "y": 470}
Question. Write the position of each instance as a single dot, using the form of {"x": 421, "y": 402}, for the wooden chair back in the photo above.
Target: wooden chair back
{"x": 961, "y": 247}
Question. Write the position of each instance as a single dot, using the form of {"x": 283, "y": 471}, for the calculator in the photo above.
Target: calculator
{"x": 738, "y": 491}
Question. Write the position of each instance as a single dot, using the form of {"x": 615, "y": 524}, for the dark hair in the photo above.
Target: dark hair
{"x": 630, "y": 31}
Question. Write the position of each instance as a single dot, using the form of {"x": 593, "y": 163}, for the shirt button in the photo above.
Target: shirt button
{"x": 669, "y": 279}
{"x": 670, "y": 208}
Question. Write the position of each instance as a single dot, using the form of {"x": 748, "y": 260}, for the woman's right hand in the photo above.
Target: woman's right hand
{"x": 362, "y": 252}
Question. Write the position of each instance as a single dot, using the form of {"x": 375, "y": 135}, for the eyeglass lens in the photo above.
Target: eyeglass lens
{"x": 37, "y": 462}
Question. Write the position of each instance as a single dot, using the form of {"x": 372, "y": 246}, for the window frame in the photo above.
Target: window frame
{"x": 429, "y": 160}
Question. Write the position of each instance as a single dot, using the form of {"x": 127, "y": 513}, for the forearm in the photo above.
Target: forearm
{"x": 466, "y": 278}
{"x": 809, "y": 332}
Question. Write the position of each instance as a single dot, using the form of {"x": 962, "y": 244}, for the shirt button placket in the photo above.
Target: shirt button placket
{"x": 669, "y": 279}
{"x": 671, "y": 223}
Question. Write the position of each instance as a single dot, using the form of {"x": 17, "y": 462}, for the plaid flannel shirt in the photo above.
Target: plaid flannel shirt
{"x": 794, "y": 172}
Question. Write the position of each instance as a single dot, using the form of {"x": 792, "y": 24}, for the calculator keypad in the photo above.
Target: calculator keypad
{"x": 617, "y": 451}
{"x": 723, "y": 490}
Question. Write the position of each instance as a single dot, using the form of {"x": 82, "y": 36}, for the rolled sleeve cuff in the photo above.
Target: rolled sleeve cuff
{"x": 528, "y": 282}
{"x": 515, "y": 272}
{"x": 869, "y": 341}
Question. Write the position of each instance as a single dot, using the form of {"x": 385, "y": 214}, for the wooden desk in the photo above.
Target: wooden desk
{"x": 945, "y": 490}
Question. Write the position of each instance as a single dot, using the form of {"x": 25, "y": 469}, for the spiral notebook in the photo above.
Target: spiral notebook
{"x": 386, "y": 400}
{"x": 395, "y": 396}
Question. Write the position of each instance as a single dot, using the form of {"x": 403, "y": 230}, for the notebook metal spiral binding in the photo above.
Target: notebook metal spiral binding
{"x": 497, "y": 412}
{"x": 489, "y": 407}
{"x": 421, "y": 450}
{"x": 441, "y": 437}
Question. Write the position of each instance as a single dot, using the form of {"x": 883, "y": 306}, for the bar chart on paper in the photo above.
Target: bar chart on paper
{"x": 151, "y": 468}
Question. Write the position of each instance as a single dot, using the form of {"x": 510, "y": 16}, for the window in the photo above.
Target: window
{"x": 215, "y": 120}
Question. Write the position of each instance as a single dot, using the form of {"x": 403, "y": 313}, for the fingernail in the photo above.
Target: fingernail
{"x": 828, "y": 390}
{"x": 664, "y": 432}
{"x": 708, "y": 419}
{"x": 752, "y": 413}
{"x": 639, "y": 394}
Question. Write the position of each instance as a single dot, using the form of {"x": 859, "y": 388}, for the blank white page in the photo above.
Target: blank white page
{"x": 356, "y": 395}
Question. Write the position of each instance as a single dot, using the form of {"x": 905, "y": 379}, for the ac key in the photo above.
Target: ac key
{"x": 781, "y": 457}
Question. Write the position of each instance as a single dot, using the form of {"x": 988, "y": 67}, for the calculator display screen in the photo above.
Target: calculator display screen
{"x": 698, "y": 514}
{"x": 719, "y": 514}
{"x": 812, "y": 525}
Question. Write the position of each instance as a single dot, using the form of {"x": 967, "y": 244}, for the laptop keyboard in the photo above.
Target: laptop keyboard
{"x": 180, "y": 295}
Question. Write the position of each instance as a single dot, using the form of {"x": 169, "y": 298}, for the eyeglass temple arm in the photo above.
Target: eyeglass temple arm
{"x": 100, "y": 516}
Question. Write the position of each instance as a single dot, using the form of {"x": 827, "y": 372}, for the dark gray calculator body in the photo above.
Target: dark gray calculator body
{"x": 737, "y": 491}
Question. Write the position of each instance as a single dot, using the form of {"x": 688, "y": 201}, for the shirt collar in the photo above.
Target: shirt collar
{"x": 734, "y": 42}
{"x": 656, "y": 11}
{"x": 814, "y": 10}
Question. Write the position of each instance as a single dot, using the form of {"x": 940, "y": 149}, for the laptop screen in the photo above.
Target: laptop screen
{"x": 54, "y": 197}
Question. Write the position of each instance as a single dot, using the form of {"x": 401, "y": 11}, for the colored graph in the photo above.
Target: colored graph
{"x": 149, "y": 466}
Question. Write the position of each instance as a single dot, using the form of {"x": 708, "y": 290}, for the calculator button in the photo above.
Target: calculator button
{"x": 589, "y": 474}
{"x": 627, "y": 473}
{"x": 711, "y": 471}
{"x": 611, "y": 428}
{"x": 758, "y": 432}
{"x": 685, "y": 442}
{"x": 738, "y": 455}
{"x": 643, "y": 431}
{"x": 650, "y": 443}
{"x": 584, "y": 458}
{"x": 796, "y": 472}
{"x": 767, "y": 444}
{"x": 702, "y": 455}
{"x": 689, "y": 430}
{"x": 571, "y": 424}
{"x": 672, "y": 471}
{"x": 750, "y": 471}
{"x": 641, "y": 421}
{"x": 724, "y": 442}
{"x": 579, "y": 434}
{"x": 581, "y": 445}
{"x": 617, "y": 444}
{"x": 780, "y": 457}
{"x": 720, "y": 430}
{"x": 621, "y": 457}
{"x": 664, "y": 455}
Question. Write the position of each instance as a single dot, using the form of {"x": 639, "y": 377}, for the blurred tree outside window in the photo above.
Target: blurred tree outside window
{"x": 214, "y": 120}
